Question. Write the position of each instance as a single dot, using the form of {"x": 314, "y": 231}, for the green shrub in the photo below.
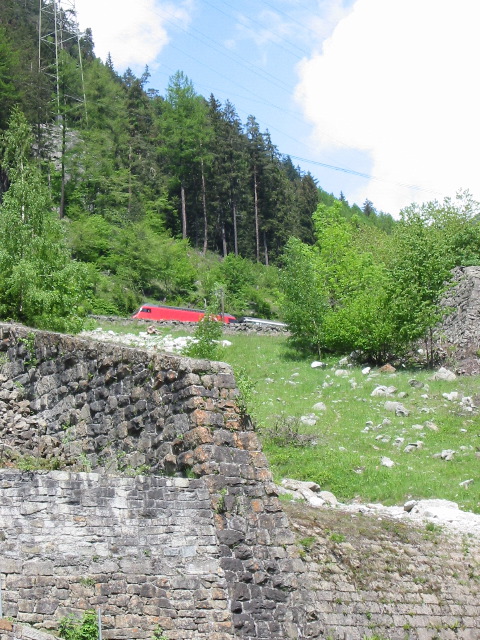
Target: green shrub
{"x": 207, "y": 336}
{"x": 71, "y": 628}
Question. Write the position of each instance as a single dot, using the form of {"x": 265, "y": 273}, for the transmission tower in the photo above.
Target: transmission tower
{"x": 59, "y": 50}
{"x": 53, "y": 37}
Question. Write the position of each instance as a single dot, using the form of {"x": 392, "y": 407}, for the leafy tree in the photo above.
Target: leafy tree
{"x": 305, "y": 300}
{"x": 429, "y": 241}
{"x": 39, "y": 283}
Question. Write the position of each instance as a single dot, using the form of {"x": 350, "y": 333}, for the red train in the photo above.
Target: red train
{"x": 154, "y": 312}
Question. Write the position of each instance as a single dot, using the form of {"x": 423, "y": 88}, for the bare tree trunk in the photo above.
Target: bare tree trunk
{"x": 224, "y": 241}
{"x": 204, "y": 202}
{"x": 265, "y": 248}
{"x": 255, "y": 193}
{"x": 184, "y": 212}
{"x": 235, "y": 236}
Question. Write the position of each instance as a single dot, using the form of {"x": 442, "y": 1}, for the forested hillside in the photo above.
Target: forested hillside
{"x": 153, "y": 190}
{"x": 112, "y": 194}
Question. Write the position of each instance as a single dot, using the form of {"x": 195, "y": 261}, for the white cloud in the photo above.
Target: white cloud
{"x": 397, "y": 78}
{"x": 133, "y": 32}
{"x": 292, "y": 24}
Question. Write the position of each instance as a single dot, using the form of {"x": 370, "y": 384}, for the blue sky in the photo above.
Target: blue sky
{"x": 383, "y": 88}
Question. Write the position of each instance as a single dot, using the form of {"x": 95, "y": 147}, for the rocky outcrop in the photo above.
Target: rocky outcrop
{"x": 459, "y": 333}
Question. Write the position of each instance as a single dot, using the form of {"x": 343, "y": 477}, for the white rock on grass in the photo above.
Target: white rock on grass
{"x": 329, "y": 498}
{"x": 366, "y": 370}
{"x": 382, "y": 390}
{"x": 319, "y": 406}
{"x": 386, "y": 462}
{"x": 309, "y": 420}
{"x": 341, "y": 373}
{"x": 444, "y": 374}
{"x": 447, "y": 454}
{"x": 413, "y": 446}
{"x": 452, "y": 396}
{"x": 316, "y": 364}
{"x": 397, "y": 407}
{"x": 466, "y": 483}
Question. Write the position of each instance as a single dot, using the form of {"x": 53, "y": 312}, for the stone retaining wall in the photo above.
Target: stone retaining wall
{"x": 142, "y": 549}
{"x": 114, "y": 409}
{"x": 196, "y": 541}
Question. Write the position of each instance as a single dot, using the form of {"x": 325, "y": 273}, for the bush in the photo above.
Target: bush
{"x": 207, "y": 336}
{"x": 71, "y": 628}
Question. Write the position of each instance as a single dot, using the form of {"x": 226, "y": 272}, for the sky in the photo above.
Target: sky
{"x": 375, "y": 98}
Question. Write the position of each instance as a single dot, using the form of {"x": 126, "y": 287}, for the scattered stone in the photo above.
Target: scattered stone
{"x": 466, "y": 483}
{"x": 413, "y": 446}
{"x": 316, "y": 364}
{"x": 452, "y": 396}
{"x": 386, "y": 422}
{"x": 402, "y": 394}
{"x": 398, "y": 441}
{"x": 396, "y": 407}
{"x": 409, "y": 505}
{"x": 386, "y": 462}
{"x": 416, "y": 383}
{"x": 341, "y": 373}
{"x": 343, "y": 362}
{"x": 387, "y": 368}
{"x": 418, "y": 427}
{"x": 444, "y": 374}
{"x": 447, "y": 454}
{"x": 366, "y": 370}
{"x": 295, "y": 375}
{"x": 269, "y": 380}
{"x": 382, "y": 390}
{"x": 309, "y": 420}
{"x": 319, "y": 406}
{"x": 300, "y": 485}
{"x": 328, "y": 498}
{"x": 309, "y": 491}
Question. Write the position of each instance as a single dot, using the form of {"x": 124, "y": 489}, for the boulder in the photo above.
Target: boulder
{"x": 444, "y": 374}
{"x": 387, "y": 368}
{"x": 396, "y": 407}
{"x": 386, "y": 462}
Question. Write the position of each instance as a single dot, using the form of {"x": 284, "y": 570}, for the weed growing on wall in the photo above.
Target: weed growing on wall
{"x": 71, "y": 628}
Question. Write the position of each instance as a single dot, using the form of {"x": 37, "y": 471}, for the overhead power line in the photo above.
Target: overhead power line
{"x": 352, "y": 172}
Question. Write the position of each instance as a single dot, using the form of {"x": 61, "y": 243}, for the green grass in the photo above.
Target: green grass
{"x": 346, "y": 460}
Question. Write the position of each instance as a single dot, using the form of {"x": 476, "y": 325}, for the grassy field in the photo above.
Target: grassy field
{"x": 355, "y": 431}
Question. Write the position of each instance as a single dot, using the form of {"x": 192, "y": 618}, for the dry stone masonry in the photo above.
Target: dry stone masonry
{"x": 133, "y": 483}
{"x": 459, "y": 333}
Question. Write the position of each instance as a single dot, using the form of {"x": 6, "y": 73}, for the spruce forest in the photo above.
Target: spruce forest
{"x": 112, "y": 194}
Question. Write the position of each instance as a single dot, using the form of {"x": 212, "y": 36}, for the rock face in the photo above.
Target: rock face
{"x": 460, "y": 329}
{"x": 197, "y": 540}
